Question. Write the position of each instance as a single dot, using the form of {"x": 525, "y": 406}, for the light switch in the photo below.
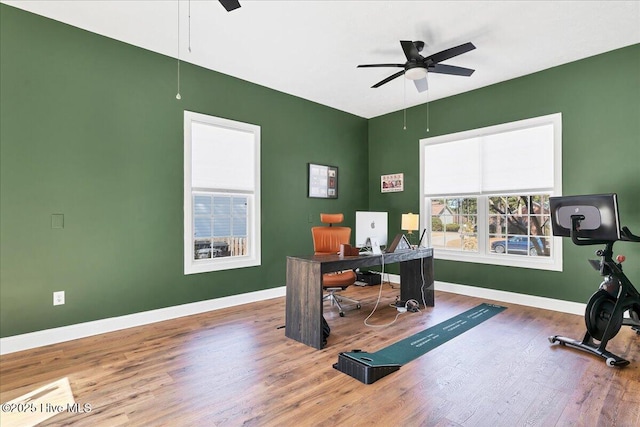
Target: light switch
{"x": 57, "y": 220}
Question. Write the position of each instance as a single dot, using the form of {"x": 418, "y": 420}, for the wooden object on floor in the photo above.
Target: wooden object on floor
{"x": 304, "y": 286}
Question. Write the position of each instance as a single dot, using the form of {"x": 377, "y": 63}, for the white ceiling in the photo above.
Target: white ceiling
{"x": 310, "y": 49}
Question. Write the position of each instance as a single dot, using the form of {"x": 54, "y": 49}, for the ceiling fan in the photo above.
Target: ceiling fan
{"x": 417, "y": 66}
{"x": 230, "y": 4}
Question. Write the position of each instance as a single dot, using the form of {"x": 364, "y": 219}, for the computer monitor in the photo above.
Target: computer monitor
{"x": 600, "y": 212}
{"x": 371, "y": 225}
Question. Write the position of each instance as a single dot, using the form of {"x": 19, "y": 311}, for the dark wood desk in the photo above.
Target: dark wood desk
{"x": 303, "y": 321}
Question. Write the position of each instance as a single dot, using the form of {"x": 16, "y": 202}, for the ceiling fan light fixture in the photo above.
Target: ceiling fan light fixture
{"x": 417, "y": 65}
{"x": 416, "y": 73}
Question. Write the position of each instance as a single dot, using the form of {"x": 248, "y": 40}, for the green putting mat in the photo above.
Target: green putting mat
{"x": 369, "y": 367}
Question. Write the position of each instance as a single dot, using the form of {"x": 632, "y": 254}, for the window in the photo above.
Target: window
{"x": 486, "y": 193}
{"x": 221, "y": 194}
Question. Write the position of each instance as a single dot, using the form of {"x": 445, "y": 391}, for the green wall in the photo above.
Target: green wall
{"x": 599, "y": 98}
{"x": 91, "y": 129}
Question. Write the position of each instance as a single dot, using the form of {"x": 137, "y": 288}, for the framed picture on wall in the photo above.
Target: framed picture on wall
{"x": 392, "y": 183}
{"x": 323, "y": 181}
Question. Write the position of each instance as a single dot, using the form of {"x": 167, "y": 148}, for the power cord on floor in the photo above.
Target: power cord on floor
{"x": 411, "y": 306}
{"x": 424, "y": 303}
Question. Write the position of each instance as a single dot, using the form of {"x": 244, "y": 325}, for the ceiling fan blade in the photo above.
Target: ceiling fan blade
{"x": 381, "y": 65}
{"x": 230, "y": 4}
{"x": 388, "y": 79}
{"x": 450, "y": 53}
{"x": 450, "y": 69}
{"x": 410, "y": 51}
{"x": 421, "y": 84}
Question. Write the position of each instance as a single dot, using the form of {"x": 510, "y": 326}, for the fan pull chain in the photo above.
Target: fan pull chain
{"x": 404, "y": 101}
{"x": 189, "y": 26}
{"x": 427, "y": 111}
{"x": 178, "y": 94}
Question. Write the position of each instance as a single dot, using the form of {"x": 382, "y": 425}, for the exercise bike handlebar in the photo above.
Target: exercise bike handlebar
{"x": 629, "y": 236}
{"x": 575, "y": 225}
{"x": 626, "y": 234}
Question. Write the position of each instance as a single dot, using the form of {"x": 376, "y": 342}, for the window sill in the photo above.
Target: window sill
{"x": 219, "y": 264}
{"x": 518, "y": 261}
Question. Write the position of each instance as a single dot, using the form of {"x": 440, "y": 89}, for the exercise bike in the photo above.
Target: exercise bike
{"x": 593, "y": 220}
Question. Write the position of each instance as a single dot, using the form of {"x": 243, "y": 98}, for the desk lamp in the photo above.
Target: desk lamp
{"x": 410, "y": 223}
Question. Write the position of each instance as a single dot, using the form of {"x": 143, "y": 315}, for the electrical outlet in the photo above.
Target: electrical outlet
{"x": 58, "y": 298}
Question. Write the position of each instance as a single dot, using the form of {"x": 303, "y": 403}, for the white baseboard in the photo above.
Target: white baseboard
{"x": 87, "y": 329}
{"x": 504, "y": 296}
{"x": 514, "y": 298}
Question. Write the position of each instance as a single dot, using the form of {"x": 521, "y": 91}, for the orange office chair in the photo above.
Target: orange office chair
{"x": 327, "y": 241}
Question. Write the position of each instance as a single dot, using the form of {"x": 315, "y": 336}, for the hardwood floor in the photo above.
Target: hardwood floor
{"x": 235, "y": 367}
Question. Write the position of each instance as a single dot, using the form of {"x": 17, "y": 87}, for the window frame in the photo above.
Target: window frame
{"x": 484, "y": 256}
{"x": 253, "y": 256}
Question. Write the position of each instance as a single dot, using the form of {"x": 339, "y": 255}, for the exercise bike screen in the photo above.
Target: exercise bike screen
{"x": 600, "y": 212}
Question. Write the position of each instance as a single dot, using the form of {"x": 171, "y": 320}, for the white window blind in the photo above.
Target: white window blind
{"x": 514, "y": 160}
{"x": 222, "y": 158}
{"x": 518, "y": 160}
{"x": 453, "y": 167}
